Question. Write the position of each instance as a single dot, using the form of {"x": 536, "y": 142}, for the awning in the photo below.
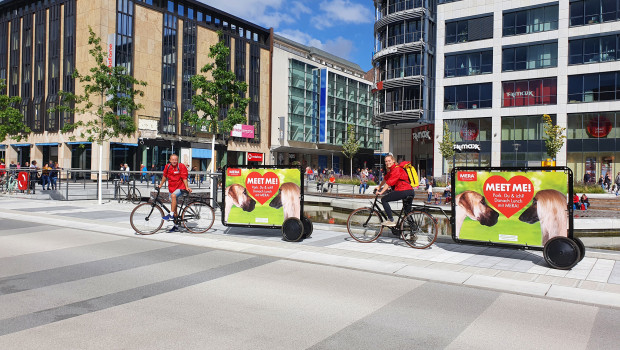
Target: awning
{"x": 201, "y": 153}
{"x": 79, "y": 143}
{"x": 47, "y": 144}
{"x": 2, "y": 146}
{"x": 125, "y": 144}
{"x": 21, "y": 145}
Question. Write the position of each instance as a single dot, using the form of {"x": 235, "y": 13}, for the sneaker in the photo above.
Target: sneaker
{"x": 388, "y": 223}
{"x": 168, "y": 217}
{"x": 174, "y": 228}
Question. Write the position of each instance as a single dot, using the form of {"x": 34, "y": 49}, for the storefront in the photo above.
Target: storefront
{"x": 255, "y": 158}
{"x": 422, "y": 149}
{"x": 472, "y": 142}
{"x": 23, "y": 153}
{"x": 49, "y": 152}
{"x": 81, "y": 155}
{"x": 592, "y": 143}
{"x": 523, "y": 140}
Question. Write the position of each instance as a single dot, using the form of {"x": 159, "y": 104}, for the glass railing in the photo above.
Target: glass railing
{"x": 401, "y": 72}
{"x": 396, "y": 106}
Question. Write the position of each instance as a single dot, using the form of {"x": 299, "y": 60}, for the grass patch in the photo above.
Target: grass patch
{"x": 352, "y": 181}
{"x": 580, "y": 188}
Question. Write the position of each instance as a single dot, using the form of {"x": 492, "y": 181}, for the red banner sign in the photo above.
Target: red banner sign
{"x": 22, "y": 180}
{"x": 233, "y": 172}
{"x": 599, "y": 127}
{"x": 255, "y": 157}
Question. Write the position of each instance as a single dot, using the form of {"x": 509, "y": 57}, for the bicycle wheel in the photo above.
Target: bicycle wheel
{"x": 135, "y": 196}
{"x": 146, "y": 218}
{"x": 418, "y": 229}
{"x": 364, "y": 225}
{"x": 198, "y": 217}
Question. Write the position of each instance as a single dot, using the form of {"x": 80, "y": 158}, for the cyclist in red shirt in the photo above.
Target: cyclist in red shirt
{"x": 397, "y": 178}
{"x": 176, "y": 175}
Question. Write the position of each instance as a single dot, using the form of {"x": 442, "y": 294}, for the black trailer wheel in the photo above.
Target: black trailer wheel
{"x": 582, "y": 247}
{"x": 292, "y": 230}
{"x": 308, "y": 228}
{"x": 561, "y": 253}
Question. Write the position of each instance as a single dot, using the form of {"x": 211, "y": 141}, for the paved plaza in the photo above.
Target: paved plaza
{"x": 595, "y": 280}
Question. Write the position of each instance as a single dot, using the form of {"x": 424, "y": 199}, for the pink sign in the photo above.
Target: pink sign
{"x": 242, "y": 130}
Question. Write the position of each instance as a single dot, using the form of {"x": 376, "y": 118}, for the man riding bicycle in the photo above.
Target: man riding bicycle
{"x": 176, "y": 175}
{"x": 397, "y": 178}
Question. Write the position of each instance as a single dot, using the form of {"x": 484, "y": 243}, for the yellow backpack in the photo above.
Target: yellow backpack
{"x": 414, "y": 181}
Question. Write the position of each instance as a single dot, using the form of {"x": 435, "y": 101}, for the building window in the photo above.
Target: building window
{"x": 534, "y": 20}
{"x": 4, "y": 38}
{"x": 529, "y": 92}
{"x": 169, "y": 75}
{"x": 401, "y": 66}
{"x": 26, "y": 105}
{"x": 594, "y": 87}
{"x": 13, "y": 82}
{"x": 598, "y": 49}
{"x": 124, "y": 35}
{"x": 593, "y": 11}
{"x": 68, "y": 83}
{"x": 523, "y": 140}
{"x": 469, "y": 64}
{"x": 254, "y": 91}
{"x": 51, "y": 117}
{"x": 461, "y": 31}
{"x": 530, "y": 57}
{"x": 39, "y": 70}
{"x": 189, "y": 70}
{"x": 303, "y": 94}
{"x": 53, "y": 72}
{"x": 468, "y": 96}
{"x": 592, "y": 143}
{"x": 404, "y": 32}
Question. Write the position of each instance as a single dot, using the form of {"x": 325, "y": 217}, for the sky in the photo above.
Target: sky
{"x": 341, "y": 27}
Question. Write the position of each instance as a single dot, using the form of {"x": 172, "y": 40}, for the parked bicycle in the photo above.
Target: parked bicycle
{"x": 196, "y": 215}
{"x": 8, "y": 183}
{"x": 415, "y": 225}
{"x": 131, "y": 194}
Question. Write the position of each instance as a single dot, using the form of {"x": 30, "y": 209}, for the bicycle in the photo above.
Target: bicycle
{"x": 415, "y": 225}
{"x": 196, "y": 216}
{"x": 10, "y": 184}
{"x": 132, "y": 194}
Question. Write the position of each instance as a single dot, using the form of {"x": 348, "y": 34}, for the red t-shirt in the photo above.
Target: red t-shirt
{"x": 2, "y": 166}
{"x": 397, "y": 178}
{"x": 175, "y": 176}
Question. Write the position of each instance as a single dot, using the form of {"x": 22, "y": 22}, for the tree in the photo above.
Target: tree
{"x": 351, "y": 145}
{"x": 11, "y": 119}
{"x": 221, "y": 91}
{"x": 446, "y": 146}
{"x": 109, "y": 97}
{"x": 554, "y": 140}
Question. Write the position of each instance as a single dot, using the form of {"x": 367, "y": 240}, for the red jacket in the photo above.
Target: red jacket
{"x": 175, "y": 176}
{"x": 398, "y": 179}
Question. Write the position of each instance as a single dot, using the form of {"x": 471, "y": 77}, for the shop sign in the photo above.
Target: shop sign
{"x": 22, "y": 180}
{"x": 520, "y": 94}
{"x": 469, "y": 131}
{"x": 467, "y": 147}
{"x": 255, "y": 157}
{"x": 242, "y": 130}
{"x": 599, "y": 127}
{"x": 422, "y": 134}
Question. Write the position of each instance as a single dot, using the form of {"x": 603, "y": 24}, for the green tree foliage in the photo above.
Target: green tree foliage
{"x": 11, "y": 119}
{"x": 554, "y": 139}
{"x": 109, "y": 96}
{"x": 351, "y": 145}
{"x": 446, "y": 146}
{"x": 222, "y": 90}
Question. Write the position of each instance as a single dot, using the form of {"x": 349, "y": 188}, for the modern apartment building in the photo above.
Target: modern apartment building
{"x": 158, "y": 41}
{"x": 502, "y": 65}
{"x": 315, "y": 97}
{"x": 404, "y": 60}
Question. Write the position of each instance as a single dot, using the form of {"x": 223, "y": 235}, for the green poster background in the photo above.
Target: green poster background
{"x": 528, "y": 234}
{"x": 273, "y": 216}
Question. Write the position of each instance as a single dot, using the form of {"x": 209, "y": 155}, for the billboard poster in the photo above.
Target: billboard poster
{"x": 510, "y": 207}
{"x": 261, "y": 196}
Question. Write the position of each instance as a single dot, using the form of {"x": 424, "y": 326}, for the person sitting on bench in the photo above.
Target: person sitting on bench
{"x": 332, "y": 181}
{"x": 319, "y": 182}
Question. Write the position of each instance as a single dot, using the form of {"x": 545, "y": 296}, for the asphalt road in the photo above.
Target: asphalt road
{"x": 69, "y": 289}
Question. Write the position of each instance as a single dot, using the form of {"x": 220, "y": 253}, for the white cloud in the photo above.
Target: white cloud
{"x": 339, "y": 46}
{"x": 299, "y": 9}
{"x": 267, "y": 13}
{"x": 342, "y": 11}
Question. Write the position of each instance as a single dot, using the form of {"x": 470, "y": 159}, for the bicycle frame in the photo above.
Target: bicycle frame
{"x": 162, "y": 205}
